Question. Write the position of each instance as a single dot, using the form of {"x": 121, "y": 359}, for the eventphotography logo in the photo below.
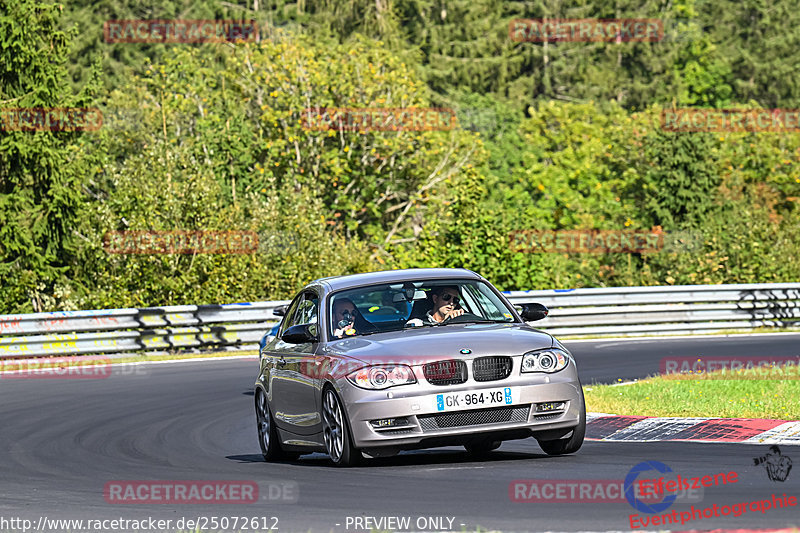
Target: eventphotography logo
{"x": 695, "y": 514}
{"x": 777, "y": 466}
{"x": 638, "y": 502}
{"x": 757, "y": 367}
{"x": 179, "y": 31}
{"x": 586, "y": 30}
{"x": 379, "y": 119}
{"x": 660, "y": 484}
{"x": 730, "y": 120}
{"x": 52, "y": 119}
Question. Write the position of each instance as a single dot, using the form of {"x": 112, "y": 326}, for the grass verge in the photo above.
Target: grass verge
{"x": 723, "y": 394}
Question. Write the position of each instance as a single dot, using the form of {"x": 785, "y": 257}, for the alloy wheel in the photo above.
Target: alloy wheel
{"x": 263, "y": 420}
{"x": 333, "y": 423}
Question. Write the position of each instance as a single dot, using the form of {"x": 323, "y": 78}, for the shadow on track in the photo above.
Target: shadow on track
{"x": 454, "y": 458}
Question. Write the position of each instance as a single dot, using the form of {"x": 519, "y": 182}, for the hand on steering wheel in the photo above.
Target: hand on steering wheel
{"x": 452, "y": 314}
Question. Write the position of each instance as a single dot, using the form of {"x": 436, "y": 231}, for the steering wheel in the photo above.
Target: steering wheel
{"x": 466, "y": 317}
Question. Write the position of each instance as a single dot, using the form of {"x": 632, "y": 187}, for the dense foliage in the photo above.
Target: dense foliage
{"x": 550, "y": 136}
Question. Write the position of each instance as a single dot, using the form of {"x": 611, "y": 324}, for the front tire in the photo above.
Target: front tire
{"x": 571, "y": 444}
{"x": 482, "y": 447}
{"x": 338, "y": 441}
{"x": 267, "y": 432}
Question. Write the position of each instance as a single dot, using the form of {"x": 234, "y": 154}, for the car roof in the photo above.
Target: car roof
{"x": 393, "y": 276}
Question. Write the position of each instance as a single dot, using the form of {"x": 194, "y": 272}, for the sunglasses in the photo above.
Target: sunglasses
{"x": 447, "y": 297}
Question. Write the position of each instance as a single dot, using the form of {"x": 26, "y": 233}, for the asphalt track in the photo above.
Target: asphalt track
{"x": 62, "y": 440}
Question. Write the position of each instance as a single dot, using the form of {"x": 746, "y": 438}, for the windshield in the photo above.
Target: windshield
{"x": 413, "y": 304}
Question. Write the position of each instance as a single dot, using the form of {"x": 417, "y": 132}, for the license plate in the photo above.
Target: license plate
{"x": 456, "y": 401}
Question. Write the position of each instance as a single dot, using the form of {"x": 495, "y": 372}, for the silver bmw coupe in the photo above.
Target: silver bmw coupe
{"x": 386, "y": 361}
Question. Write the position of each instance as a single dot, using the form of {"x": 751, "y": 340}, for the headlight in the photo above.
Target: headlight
{"x": 549, "y": 360}
{"x": 382, "y": 377}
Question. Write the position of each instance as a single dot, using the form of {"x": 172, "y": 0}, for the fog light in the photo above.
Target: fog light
{"x": 389, "y": 423}
{"x": 549, "y": 406}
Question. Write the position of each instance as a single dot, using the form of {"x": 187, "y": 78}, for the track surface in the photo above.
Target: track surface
{"x": 62, "y": 440}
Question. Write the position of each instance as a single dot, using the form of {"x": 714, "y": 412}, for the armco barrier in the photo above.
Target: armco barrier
{"x": 621, "y": 311}
{"x": 666, "y": 310}
{"x": 128, "y": 330}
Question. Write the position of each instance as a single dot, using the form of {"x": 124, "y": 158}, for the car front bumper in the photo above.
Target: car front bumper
{"x": 423, "y": 423}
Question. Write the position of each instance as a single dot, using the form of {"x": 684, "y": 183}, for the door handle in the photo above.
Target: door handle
{"x": 281, "y": 361}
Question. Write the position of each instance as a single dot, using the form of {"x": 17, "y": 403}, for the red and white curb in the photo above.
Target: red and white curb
{"x": 783, "y": 530}
{"x": 605, "y": 427}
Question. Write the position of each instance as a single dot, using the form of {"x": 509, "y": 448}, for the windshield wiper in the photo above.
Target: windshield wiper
{"x": 481, "y": 321}
{"x": 423, "y": 325}
{"x": 465, "y": 321}
{"x": 381, "y": 331}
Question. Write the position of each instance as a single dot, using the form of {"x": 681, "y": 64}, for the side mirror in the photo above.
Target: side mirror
{"x": 533, "y": 311}
{"x": 280, "y": 310}
{"x": 301, "y": 334}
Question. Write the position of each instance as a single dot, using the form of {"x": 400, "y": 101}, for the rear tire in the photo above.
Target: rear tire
{"x": 336, "y": 432}
{"x": 267, "y": 432}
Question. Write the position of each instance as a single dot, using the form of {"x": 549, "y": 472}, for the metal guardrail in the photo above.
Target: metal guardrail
{"x": 127, "y": 330}
{"x": 666, "y": 310}
{"x": 620, "y": 311}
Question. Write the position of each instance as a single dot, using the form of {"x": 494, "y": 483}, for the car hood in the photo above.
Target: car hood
{"x": 426, "y": 344}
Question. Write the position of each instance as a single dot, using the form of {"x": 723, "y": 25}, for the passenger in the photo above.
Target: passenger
{"x": 344, "y": 318}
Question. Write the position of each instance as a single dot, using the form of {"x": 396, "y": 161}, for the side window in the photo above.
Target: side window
{"x": 487, "y": 308}
{"x": 307, "y": 312}
{"x": 468, "y": 302}
{"x": 303, "y": 311}
{"x": 493, "y": 308}
{"x": 288, "y": 320}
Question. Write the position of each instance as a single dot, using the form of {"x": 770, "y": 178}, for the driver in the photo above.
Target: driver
{"x": 344, "y": 318}
{"x": 445, "y": 305}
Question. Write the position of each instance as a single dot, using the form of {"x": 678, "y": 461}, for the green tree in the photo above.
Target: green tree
{"x": 760, "y": 42}
{"x": 678, "y": 187}
{"x": 213, "y": 138}
{"x": 41, "y": 172}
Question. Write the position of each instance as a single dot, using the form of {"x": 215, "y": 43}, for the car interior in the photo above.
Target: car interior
{"x": 388, "y": 307}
